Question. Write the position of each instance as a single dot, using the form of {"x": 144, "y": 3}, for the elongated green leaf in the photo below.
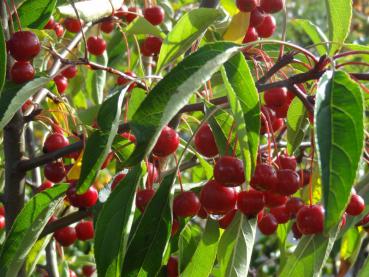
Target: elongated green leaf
{"x": 351, "y": 245}
{"x": 122, "y": 147}
{"x": 339, "y": 21}
{"x": 14, "y": 96}
{"x": 35, "y": 13}
{"x": 140, "y": 26}
{"x": 35, "y": 254}
{"x": 2, "y": 58}
{"x": 115, "y": 221}
{"x": 27, "y": 227}
{"x": 339, "y": 129}
{"x": 96, "y": 79}
{"x": 99, "y": 143}
{"x": 187, "y": 244}
{"x": 187, "y": 30}
{"x": 297, "y": 123}
{"x": 244, "y": 101}
{"x": 203, "y": 259}
{"x": 364, "y": 271}
{"x": 146, "y": 248}
{"x": 309, "y": 256}
{"x": 173, "y": 92}
{"x": 235, "y": 247}
{"x": 314, "y": 32}
{"x": 229, "y": 6}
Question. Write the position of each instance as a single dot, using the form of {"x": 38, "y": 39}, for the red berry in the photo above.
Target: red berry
{"x": 72, "y": 273}
{"x": 155, "y": 15}
{"x": 70, "y": 72}
{"x": 310, "y": 220}
{"x": 275, "y": 97}
{"x": 129, "y": 136}
{"x": 61, "y": 83}
{"x": 364, "y": 221}
{"x": 293, "y": 205}
{"x": 269, "y": 116}
{"x": 152, "y": 174}
{"x": 296, "y": 232}
{"x": 272, "y": 6}
{"x": 54, "y": 172}
{"x": 288, "y": 182}
{"x": 143, "y": 197}
{"x": 281, "y": 214}
{"x": 305, "y": 176}
{"x": 274, "y": 199}
{"x": 45, "y": 185}
{"x": 107, "y": 26}
{"x": 2, "y": 222}
{"x": 257, "y": 17}
{"x": 229, "y": 171}
{"x": 24, "y": 46}
{"x": 175, "y": 227}
{"x": 73, "y": 25}
{"x": 88, "y": 270}
{"x": 246, "y": 5}
{"x": 202, "y": 213}
{"x": 96, "y": 45}
{"x": 281, "y": 111}
{"x": 268, "y": 224}
{"x": 22, "y": 72}
{"x": 59, "y": 29}
{"x": 50, "y": 24}
{"x": 85, "y": 200}
{"x": 132, "y": 13}
{"x": 151, "y": 46}
{"x": 287, "y": 162}
{"x": 251, "y": 35}
{"x": 343, "y": 220}
{"x": 54, "y": 142}
{"x": 66, "y": 236}
{"x": 167, "y": 143}
{"x": 122, "y": 81}
{"x": 85, "y": 230}
{"x": 226, "y": 220}
{"x": 186, "y": 204}
{"x": 121, "y": 12}
{"x": 264, "y": 178}
{"x": 172, "y": 267}
{"x": 217, "y": 199}
{"x": 356, "y": 205}
{"x": 119, "y": 177}
{"x": 205, "y": 142}
{"x": 267, "y": 27}
{"x": 277, "y": 124}
{"x": 2, "y": 210}
{"x": 251, "y": 202}
{"x": 107, "y": 160}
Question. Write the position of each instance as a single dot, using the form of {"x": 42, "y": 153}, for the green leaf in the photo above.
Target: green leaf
{"x": 35, "y": 254}
{"x": 140, "y": 26}
{"x": 203, "y": 259}
{"x": 187, "y": 30}
{"x": 339, "y": 21}
{"x": 187, "y": 244}
{"x": 99, "y": 143}
{"x": 230, "y": 6}
{"x": 297, "y": 123}
{"x": 351, "y": 245}
{"x": 27, "y": 227}
{"x": 235, "y": 247}
{"x": 122, "y": 147}
{"x": 147, "y": 245}
{"x": 173, "y": 92}
{"x": 14, "y": 96}
{"x": 35, "y": 13}
{"x": 314, "y": 32}
{"x": 115, "y": 221}
{"x": 3, "y": 59}
{"x": 244, "y": 101}
{"x": 339, "y": 131}
{"x": 364, "y": 271}
{"x": 96, "y": 79}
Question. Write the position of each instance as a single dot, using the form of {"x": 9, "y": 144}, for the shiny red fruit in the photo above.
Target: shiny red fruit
{"x": 281, "y": 111}
{"x": 363, "y": 222}
{"x": 24, "y": 46}
{"x": 343, "y": 220}
{"x": 50, "y": 24}
{"x": 66, "y": 236}
{"x": 151, "y": 46}
{"x": 22, "y": 72}
{"x": 172, "y": 267}
{"x": 96, "y": 45}
{"x": 70, "y": 72}
{"x": 281, "y": 214}
{"x": 122, "y": 81}
{"x": 251, "y": 202}
{"x": 54, "y": 142}
{"x": 107, "y": 26}
{"x": 295, "y": 231}
{"x": 274, "y": 199}
{"x": 226, "y": 220}
{"x": 88, "y": 270}
{"x": 310, "y": 220}
{"x": 143, "y": 197}
{"x": 119, "y": 177}
{"x": 356, "y": 205}
{"x": 152, "y": 174}
{"x": 267, "y": 28}
{"x": 85, "y": 200}
{"x": 54, "y": 172}
{"x": 132, "y": 13}
{"x": 186, "y": 204}
{"x": 72, "y": 273}
{"x": 59, "y": 30}
{"x": 288, "y": 182}
{"x": 73, "y": 25}
{"x": 293, "y": 205}
{"x": 272, "y": 6}
{"x": 167, "y": 142}
{"x": 2, "y": 210}
{"x": 2, "y": 222}
{"x": 61, "y": 83}
{"x": 175, "y": 227}
{"x": 268, "y": 224}
{"x": 155, "y": 15}
{"x": 85, "y": 230}
{"x": 217, "y": 199}
{"x": 202, "y": 213}
{"x": 45, "y": 185}
{"x": 229, "y": 171}
{"x": 257, "y": 17}
{"x": 305, "y": 176}
{"x": 251, "y": 35}
{"x": 129, "y": 136}
{"x": 246, "y": 5}
{"x": 277, "y": 124}
{"x": 205, "y": 142}
{"x": 275, "y": 97}
{"x": 264, "y": 178}
{"x": 287, "y": 162}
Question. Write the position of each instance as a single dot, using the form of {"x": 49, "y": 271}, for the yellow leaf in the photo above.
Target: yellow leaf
{"x": 237, "y": 28}
{"x": 60, "y": 112}
{"x": 75, "y": 171}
